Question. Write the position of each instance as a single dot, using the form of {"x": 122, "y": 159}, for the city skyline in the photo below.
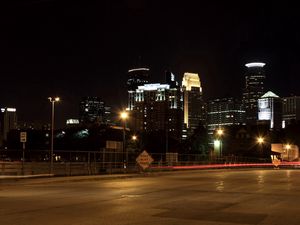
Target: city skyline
{"x": 81, "y": 49}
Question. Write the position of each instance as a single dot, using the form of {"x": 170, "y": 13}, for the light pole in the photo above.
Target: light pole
{"x": 260, "y": 141}
{"x": 134, "y": 139}
{"x": 52, "y": 100}
{"x": 220, "y": 133}
{"x": 124, "y": 117}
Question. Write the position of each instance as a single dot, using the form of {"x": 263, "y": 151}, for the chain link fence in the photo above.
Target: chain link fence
{"x": 104, "y": 161}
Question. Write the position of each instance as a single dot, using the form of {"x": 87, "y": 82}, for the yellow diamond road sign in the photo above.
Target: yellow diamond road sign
{"x": 144, "y": 160}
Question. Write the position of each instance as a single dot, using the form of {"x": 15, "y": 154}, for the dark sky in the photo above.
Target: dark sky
{"x": 81, "y": 48}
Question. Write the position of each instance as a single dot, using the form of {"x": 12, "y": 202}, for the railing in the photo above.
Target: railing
{"x": 104, "y": 161}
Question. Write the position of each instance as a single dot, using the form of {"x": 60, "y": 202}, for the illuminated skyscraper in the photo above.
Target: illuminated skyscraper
{"x": 8, "y": 121}
{"x": 254, "y": 89}
{"x": 157, "y": 107}
{"x": 193, "y": 104}
{"x": 136, "y": 77}
{"x": 270, "y": 110}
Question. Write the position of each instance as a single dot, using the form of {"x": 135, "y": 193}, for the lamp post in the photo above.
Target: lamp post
{"x": 52, "y": 100}
{"x": 124, "y": 117}
{"x": 260, "y": 141}
{"x": 220, "y": 133}
{"x": 288, "y": 147}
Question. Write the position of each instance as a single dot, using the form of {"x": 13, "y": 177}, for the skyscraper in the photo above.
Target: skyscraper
{"x": 136, "y": 77}
{"x": 254, "y": 89}
{"x": 270, "y": 110}
{"x": 193, "y": 104}
{"x": 158, "y": 107}
{"x": 8, "y": 121}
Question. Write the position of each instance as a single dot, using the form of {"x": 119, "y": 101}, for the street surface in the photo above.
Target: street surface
{"x": 210, "y": 197}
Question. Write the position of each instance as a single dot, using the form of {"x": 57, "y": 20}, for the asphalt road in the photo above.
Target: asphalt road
{"x": 189, "y": 197}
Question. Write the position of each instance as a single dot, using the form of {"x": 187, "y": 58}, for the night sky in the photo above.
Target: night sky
{"x": 84, "y": 48}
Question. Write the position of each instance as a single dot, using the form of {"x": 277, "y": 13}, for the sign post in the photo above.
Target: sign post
{"x": 23, "y": 139}
{"x": 144, "y": 160}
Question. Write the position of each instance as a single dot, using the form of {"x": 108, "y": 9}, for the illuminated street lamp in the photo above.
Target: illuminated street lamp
{"x": 260, "y": 140}
{"x": 124, "y": 117}
{"x": 134, "y": 137}
{"x": 52, "y": 100}
{"x": 220, "y": 133}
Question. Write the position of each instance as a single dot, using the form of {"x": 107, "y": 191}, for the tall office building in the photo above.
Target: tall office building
{"x": 193, "y": 104}
{"x": 270, "y": 110}
{"x": 254, "y": 89}
{"x": 93, "y": 110}
{"x": 224, "y": 112}
{"x": 290, "y": 110}
{"x": 8, "y": 121}
{"x": 136, "y": 77}
{"x": 158, "y": 107}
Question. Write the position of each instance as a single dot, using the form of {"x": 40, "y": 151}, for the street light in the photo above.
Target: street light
{"x": 220, "y": 133}
{"x": 124, "y": 117}
{"x": 134, "y": 137}
{"x": 260, "y": 140}
{"x": 52, "y": 100}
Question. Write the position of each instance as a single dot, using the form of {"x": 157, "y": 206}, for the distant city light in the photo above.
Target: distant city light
{"x": 217, "y": 143}
{"x": 8, "y": 109}
{"x": 153, "y": 87}
{"x": 255, "y": 64}
{"x": 72, "y": 121}
{"x": 138, "y": 69}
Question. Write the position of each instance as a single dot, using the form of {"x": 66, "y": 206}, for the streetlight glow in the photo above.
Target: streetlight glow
{"x": 260, "y": 140}
{"x": 134, "y": 137}
{"x": 124, "y": 115}
{"x": 220, "y": 132}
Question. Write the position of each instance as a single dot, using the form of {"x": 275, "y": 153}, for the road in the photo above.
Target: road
{"x": 214, "y": 197}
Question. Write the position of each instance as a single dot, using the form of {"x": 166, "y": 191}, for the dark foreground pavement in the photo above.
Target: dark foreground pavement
{"x": 189, "y": 197}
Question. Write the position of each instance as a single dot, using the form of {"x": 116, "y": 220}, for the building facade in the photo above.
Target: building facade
{"x": 290, "y": 110}
{"x": 158, "y": 107}
{"x": 193, "y": 104}
{"x": 254, "y": 89}
{"x": 224, "y": 112}
{"x": 136, "y": 77}
{"x": 270, "y": 110}
{"x": 8, "y": 121}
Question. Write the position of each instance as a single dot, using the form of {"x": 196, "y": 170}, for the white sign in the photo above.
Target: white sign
{"x": 144, "y": 160}
{"x": 23, "y": 137}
